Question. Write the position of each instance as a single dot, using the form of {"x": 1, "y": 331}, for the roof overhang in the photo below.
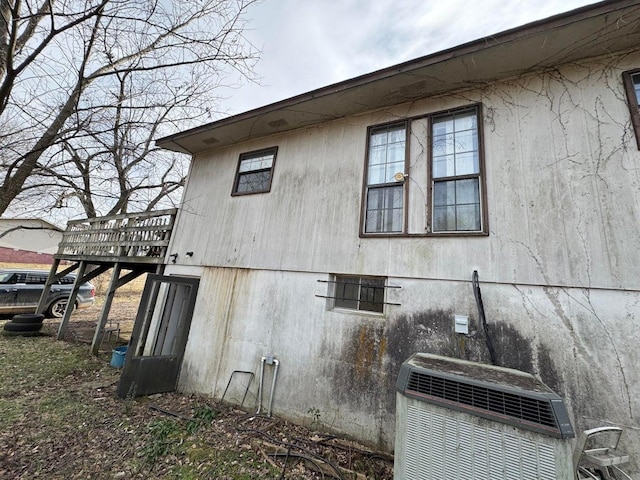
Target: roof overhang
{"x": 590, "y": 31}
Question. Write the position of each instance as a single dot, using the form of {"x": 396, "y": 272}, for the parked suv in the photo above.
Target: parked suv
{"x": 20, "y": 292}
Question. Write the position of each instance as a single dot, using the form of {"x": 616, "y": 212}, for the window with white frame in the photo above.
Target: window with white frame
{"x": 384, "y": 188}
{"x": 632, "y": 86}
{"x": 255, "y": 171}
{"x": 456, "y": 179}
{"x": 359, "y": 293}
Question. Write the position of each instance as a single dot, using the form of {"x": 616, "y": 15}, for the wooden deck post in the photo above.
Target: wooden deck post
{"x": 106, "y": 308}
{"x": 72, "y": 300}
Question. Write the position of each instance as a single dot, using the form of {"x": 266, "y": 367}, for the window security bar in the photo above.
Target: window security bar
{"x": 358, "y": 284}
{"x": 368, "y": 301}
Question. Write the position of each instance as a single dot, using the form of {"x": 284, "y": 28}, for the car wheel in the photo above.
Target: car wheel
{"x": 23, "y": 327}
{"x": 28, "y": 318}
{"x": 57, "y": 307}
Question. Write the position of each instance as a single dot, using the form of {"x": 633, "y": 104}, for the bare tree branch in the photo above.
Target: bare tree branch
{"x": 85, "y": 87}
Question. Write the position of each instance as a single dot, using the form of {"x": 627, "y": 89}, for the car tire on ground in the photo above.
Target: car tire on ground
{"x": 28, "y": 318}
{"x": 56, "y": 308}
{"x": 23, "y": 327}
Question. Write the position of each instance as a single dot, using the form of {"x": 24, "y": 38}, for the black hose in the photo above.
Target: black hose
{"x": 478, "y": 295}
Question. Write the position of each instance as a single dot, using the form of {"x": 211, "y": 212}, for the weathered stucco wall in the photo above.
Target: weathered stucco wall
{"x": 344, "y": 365}
{"x": 558, "y": 270}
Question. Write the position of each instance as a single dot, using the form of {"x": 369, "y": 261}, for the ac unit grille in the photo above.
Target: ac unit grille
{"x": 495, "y": 393}
{"x": 517, "y": 407}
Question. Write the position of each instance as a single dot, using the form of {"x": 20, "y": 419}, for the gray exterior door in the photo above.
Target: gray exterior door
{"x": 159, "y": 337}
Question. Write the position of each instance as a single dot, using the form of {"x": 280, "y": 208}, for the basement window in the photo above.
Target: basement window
{"x": 631, "y": 81}
{"x": 255, "y": 171}
{"x": 359, "y": 293}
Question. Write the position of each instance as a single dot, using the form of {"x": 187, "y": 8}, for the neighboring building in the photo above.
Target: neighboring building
{"x": 28, "y": 240}
{"x": 339, "y": 230}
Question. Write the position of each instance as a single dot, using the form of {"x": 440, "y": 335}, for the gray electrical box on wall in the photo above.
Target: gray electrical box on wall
{"x": 458, "y": 420}
{"x": 461, "y": 324}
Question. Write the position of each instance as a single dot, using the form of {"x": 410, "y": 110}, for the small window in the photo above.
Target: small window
{"x": 384, "y": 185}
{"x": 632, "y": 87}
{"x": 359, "y": 293}
{"x": 456, "y": 173}
{"x": 255, "y": 171}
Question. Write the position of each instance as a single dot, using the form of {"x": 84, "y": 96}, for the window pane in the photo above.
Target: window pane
{"x": 254, "y": 182}
{"x": 444, "y": 166}
{"x": 384, "y": 209}
{"x": 372, "y": 295}
{"x": 378, "y": 155}
{"x": 466, "y": 141}
{"x": 378, "y": 137}
{"x": 444, "y": 219}
{"x": 468, "y": 217}
{"x": 373, "y": 222}
{"x": 443, "y": 145}
{"x": 346, "y": 292}
{"x": 397, "y": 134}
{"x": 456, "y": 205}
{"x": 443, "y": 125}
{"x": 377, "y": 174}
{"x": 467, "y": 163}
{"x": 465, "y": 121}
{"x": 395, "y": 153}
{"x": 256, "y": 163}
{"x": 444, "y": 193}
{"x": 467, "y": 191}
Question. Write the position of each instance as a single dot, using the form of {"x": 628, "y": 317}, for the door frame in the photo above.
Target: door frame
{"x": 145, "y": 374}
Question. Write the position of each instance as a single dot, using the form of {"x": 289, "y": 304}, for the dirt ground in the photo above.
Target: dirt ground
{"x": 83, "y": 322}
{"x": 60, "y": 419}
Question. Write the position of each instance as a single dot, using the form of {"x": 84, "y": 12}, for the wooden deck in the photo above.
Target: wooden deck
{"x": 136, "y": 243}
{"x": 137, "y": 238}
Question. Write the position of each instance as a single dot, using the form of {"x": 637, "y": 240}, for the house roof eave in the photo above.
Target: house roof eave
{"x": 589, "y": 31}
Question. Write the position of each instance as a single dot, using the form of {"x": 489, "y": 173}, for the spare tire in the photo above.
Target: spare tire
{"x": 23, "y": 327}
{"x": 28, "y": 318}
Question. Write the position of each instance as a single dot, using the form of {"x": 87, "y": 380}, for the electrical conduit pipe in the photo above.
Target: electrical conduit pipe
{"x": 268, "y": 359}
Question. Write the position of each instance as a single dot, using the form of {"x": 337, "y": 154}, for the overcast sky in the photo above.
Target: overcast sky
{"x": 308, "y": 44}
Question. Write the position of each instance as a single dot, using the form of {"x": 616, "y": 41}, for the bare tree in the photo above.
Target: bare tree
{"x": 106, "y": 162}
{"x": 85, "y": 86}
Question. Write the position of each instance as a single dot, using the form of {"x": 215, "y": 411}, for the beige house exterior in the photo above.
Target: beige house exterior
{"x": 339, "y": 230}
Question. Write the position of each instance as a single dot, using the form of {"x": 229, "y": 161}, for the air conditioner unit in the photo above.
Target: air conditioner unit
{"x": 464, "y": 420}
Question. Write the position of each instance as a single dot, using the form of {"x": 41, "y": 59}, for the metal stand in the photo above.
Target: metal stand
{"x": 596, "y": 455}
{"x": 245, "y": 390}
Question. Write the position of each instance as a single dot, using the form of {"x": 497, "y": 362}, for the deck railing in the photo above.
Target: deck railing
{"x": 134, "y": 237}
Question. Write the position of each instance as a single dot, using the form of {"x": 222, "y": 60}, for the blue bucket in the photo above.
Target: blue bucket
{"x": 117, "y": 357}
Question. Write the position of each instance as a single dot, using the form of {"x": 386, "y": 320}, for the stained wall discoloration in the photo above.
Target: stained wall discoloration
{"x": 558, "y": 268}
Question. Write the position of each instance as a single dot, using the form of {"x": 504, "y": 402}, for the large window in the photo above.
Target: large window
{"x": 255, "y": 171}
{"x": 359, "y": 293}
{"x": 632, "y": 86}
{"x": 456, "y": 179}
{"x": 384, "y": 187}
